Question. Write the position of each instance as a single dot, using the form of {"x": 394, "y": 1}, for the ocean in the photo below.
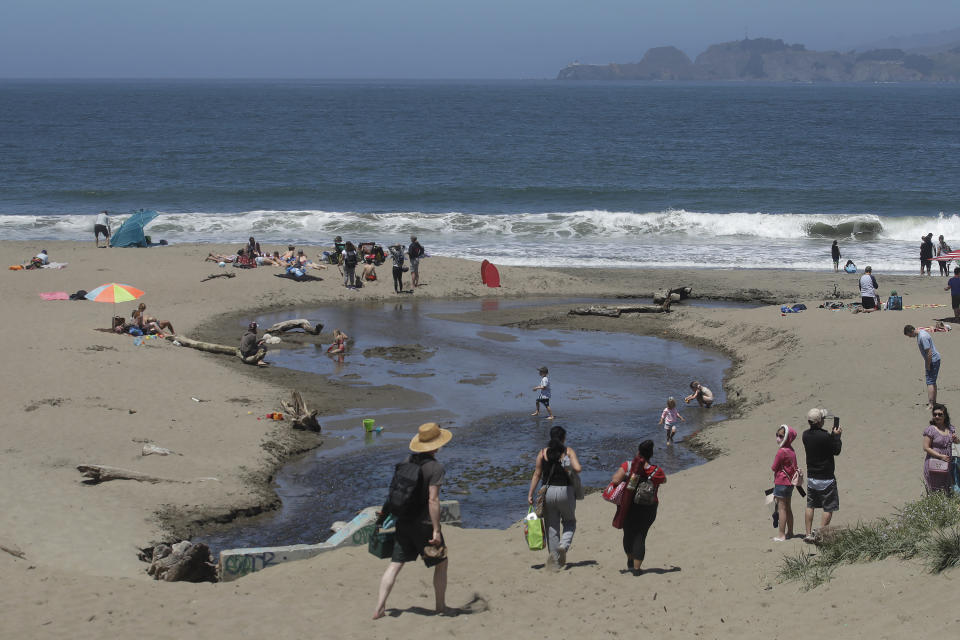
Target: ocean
{"x": 518, "y": 172}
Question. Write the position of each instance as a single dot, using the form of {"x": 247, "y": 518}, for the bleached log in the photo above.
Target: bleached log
{"x": 300, "y": 415}
{"x": 610, "y": 312}
{"x": 97, "y": 473}
{"x": 12, "y": 549}
{"x": 288, "y": 325}
{"x": 209, "y": 347}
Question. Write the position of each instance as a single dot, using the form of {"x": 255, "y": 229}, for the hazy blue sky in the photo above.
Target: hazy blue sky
{"x": 415, "y": 38}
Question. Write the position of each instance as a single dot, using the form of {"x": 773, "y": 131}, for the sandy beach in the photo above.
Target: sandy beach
{"x": 74, "y": 395}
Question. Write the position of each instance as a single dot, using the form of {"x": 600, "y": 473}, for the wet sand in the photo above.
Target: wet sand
{"x": 79, "y": 396}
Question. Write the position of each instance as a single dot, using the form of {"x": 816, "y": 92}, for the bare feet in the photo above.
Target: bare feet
{"x": 549, "y": 417}
{"x": 535, "y": 414}
{"x": 379, "y": 613}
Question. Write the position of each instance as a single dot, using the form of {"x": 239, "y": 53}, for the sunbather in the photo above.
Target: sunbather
{"x": 162, "y": 324}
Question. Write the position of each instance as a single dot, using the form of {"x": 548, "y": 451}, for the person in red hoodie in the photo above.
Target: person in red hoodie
{"x": 785, "y": 471}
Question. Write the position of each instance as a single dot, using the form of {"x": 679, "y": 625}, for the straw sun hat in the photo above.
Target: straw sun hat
{"x": 430, "y": 437}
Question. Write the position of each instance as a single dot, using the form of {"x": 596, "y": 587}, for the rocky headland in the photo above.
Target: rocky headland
{"x": 768, "y": 60}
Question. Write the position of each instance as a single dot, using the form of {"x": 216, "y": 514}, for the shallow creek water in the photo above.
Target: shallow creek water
{"x": 608, "y": 390}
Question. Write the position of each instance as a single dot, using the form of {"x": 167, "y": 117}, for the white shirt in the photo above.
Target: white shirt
{"x": 103, "y": 219}
{"x": 866, "y": 286}
{"x": 545, "y": 383}
{"x": 44, "y": 258}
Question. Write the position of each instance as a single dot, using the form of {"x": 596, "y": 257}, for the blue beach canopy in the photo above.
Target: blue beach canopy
{"x": 130, "y": 233}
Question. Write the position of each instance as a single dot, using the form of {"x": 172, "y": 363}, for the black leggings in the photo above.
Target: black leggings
{"x": 635, "y": 528}
{"x": 398, "y": 279}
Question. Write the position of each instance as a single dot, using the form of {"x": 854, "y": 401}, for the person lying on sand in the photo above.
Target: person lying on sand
{"x": 216, "y": 257}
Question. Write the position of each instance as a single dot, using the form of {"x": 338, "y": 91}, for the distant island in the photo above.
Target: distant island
{"x": 765, "y": 59}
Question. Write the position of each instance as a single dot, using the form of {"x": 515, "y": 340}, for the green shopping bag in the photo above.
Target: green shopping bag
{"x": 382, "y": 539}
{"x": 533, "y": 531}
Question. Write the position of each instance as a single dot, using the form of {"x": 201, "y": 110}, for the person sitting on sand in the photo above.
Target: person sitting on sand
{"x": 339, "y": 342}
{"x": 290, "y": 255}
{"x": 702, "y": 394}
{"x": 252, "y": 350}
{"x": 850, "y": 267}
{"x": 145, "y": 327}
{"x": 162, "y": 324}
{"x": 252, "y": 247}
{"x": 369, "y": 273}
{"x": 869, "y": 299}
{"x": 669, "y": 418}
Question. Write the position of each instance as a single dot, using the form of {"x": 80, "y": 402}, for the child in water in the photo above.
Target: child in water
{"x": 669, "y": 418}
{"x": 544, "y": 397}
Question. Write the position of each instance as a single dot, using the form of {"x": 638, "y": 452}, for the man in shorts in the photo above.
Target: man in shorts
{"x": 102, "y": 226}
{"x": 868, "y": 291}
{"x": 931, "y": 360}
{"x": 415, "y": 251}
{"x": 419, "y": 535}
{"x": 953, "y": 286}
{"x": 821, "y": 447}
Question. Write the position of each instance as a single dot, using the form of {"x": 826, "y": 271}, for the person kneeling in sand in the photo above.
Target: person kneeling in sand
{"x": 252, "y": 350}
{"x": 703, "y": 395}
{"x": 339, "y": 342}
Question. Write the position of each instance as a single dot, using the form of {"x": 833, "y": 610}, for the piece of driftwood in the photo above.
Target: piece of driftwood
{"x": 184, "y": 561}
{"x": 674, "y": 295}
{"x": 209, "y": 347}
{"x": 614, "y": 312}
{"x": 288, "y": 325}
{"x": 97, "y": 473}
{"x": 226, "y": 274}
{"x": 300, "y": 415}
{"x": 151, "y": 449}
{"x": 12, "y": 549}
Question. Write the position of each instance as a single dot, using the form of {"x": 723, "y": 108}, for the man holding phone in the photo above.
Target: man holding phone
{"x": 821, "y": 448}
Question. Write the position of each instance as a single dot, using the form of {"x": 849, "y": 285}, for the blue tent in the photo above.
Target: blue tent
{"x": 130, "y": 233}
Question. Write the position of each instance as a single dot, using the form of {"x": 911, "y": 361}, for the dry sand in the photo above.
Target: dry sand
{"x": 73, "y": 395}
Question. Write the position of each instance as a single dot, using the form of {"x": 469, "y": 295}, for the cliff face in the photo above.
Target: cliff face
{"x": 770, "y": 60}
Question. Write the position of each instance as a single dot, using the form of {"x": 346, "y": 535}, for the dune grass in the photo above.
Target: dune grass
{"x": 928, "y": 528}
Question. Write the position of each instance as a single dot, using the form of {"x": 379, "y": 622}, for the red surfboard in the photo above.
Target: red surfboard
{"x": 489, "y": 274}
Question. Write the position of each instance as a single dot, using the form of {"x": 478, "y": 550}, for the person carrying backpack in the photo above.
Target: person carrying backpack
{"x": 350, "y": 259}
{"x": 415, "y": 251}
{"x": 414, "y": 500}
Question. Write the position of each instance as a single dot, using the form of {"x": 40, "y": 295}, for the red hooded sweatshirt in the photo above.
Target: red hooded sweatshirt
{"x": 785, "y": 462}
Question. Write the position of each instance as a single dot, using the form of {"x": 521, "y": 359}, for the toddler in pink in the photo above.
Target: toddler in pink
{"x": 669, "y": 417}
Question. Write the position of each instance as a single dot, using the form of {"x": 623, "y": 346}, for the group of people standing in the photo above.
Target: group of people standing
{"x": 928, "y": 251}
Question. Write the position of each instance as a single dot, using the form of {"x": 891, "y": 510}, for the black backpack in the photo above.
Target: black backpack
{"x": 350, "y": 258}
{"x": 406, "y": 499}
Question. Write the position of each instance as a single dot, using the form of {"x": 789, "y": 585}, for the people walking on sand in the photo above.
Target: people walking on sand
{"x": 350, "y": 260}
{"x": 553, "y": 467}
{"x": 953, "y": 286}
{"x": 931, "y": 360}
{"x": 926, "y": 252}
{"x": 252, "y": 349}
{"x": 415, "y": 251}
{"x": 702, "y": 394}
{"x": 943, "y": 249}
{"x": 835, "y": 254}
{"x": 821, "y": 448}
{"x": 102, "y": 227}
{"x": 418, "y": 528}
{"x": 669, "y": 418}
{"x": 396, "y": 255}
{"x": 636, "y": 518}
{"x": 785, "y": 472}
{"x": 544, "y": 396}
{"x": 869, "y": 299}
{"x": 938, "y": 440}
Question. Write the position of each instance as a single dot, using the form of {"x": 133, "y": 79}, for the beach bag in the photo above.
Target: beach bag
{"x": 935, "y": 466}
{"x": 381, "y": 542}
{"x": 895, "y": 303}
{"x": 533, "y": 531}
{"x": 540, "y": 500}
{"x": 404, "y": 499}
{"x": 646, "y": 492}
{"x": 614, "y": 492}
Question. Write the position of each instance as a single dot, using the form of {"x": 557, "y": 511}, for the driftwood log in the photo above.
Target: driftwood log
{"x": 302, "y": 417}
{"x": 614, "y": 312}
{"x": 209, "y": 347}
{"x": 12, "y": 549}
{"x": 674, "y": 295}
{"x": 185, "y": 561}
{"x": 219, "y": 275}
{"x": 97, "y": 473}
{"x": 288, "y": 325}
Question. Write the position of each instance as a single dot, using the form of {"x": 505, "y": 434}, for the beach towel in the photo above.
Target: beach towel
{"x": 55, "y": 295}
{"x": 55, "y": 265}
{"x": 15, "y": 267}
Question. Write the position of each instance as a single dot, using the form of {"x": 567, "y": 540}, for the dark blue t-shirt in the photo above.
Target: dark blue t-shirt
{"x": 954, "y": 284}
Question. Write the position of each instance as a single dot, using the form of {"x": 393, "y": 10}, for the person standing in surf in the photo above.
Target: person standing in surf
{"x": 835, "y": 254}
{"x": 943, "y": 249}
{"x": 926, "y": 253}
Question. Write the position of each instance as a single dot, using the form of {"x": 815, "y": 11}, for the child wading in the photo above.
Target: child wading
{"x": 544, "y": 397}
{"x": 669, "y": 419}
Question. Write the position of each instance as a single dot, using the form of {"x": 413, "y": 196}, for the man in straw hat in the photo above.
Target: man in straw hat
{"x": 418, "y": 534}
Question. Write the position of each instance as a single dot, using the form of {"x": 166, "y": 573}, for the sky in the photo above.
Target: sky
{"x": 414, "y": 39}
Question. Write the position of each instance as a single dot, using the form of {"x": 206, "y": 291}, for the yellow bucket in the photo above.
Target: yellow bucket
{"x": 368, "y": 424}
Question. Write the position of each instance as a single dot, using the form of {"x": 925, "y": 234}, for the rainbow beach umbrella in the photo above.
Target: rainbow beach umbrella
{"x": 113, "y": 292}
